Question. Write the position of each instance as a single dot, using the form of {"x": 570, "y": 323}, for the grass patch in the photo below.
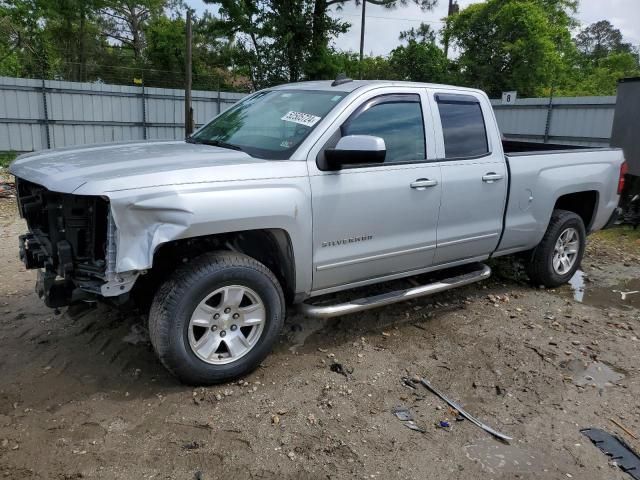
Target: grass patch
{"x": 624, "y": 238}
{"x": 621, "y": 233}
{"x": 6, "y": 158}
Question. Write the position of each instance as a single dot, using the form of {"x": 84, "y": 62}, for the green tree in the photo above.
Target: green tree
{"x": 124, "y": 21}
{"x": 113, "y": 41}
{"x": 273, "y": 38}
{"x": 21, "y": 42}
{"x": 52, "y": 37}
{"x": 165, "y": 48}
{"x": 513, "y": 44}
{"x": 602, "y": 77}
{"x": 212, "y": 53}
{"x": 26, "y": 50}
{"x": 423, "y": 34}
{"x": 72, "y": 31}
{"x": 602, "y": 59}
{"x": 324, "y": 28}
{"x": 246, "y": 21}
{"x": 288, "y": 40}
{"x": 420, "y": 62}
{"x": 373, "y": 67}
{"x": 601, "y": 39}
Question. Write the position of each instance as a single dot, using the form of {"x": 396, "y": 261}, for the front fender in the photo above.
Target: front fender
{"x": 147, "y": 218}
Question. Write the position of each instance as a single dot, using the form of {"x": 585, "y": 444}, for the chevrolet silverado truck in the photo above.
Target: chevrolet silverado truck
{"x": 297, "y": 192}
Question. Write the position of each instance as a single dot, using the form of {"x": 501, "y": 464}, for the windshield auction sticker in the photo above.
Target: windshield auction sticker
{"x": 302, "y": 118}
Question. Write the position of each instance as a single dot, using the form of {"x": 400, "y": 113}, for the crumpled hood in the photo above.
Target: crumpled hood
{"x": 121, "y": 166}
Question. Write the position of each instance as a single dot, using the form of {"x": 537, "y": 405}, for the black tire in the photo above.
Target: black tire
{"x": 176, "y": 300}
{"x": 540, "y": 264}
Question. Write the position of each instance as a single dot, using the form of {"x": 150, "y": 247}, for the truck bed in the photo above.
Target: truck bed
{"x": 538, "y": 178}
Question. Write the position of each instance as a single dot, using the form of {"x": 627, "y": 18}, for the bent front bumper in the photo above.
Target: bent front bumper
{"x": 67, "y": 242}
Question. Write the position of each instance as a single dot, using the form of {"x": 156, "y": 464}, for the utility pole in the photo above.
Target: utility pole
{"x": 453, "y": 9}
{"x": 188, "y": 112}
{"x": 364, "y": 8}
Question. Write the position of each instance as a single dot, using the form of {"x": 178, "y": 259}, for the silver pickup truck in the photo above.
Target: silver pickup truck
{"x": 297, "y": 192}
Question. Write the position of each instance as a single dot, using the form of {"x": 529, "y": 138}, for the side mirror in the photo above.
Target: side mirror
{"x": 356, "y": 149}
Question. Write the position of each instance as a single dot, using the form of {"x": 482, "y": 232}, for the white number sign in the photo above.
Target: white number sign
{"x": 509, "y": 98}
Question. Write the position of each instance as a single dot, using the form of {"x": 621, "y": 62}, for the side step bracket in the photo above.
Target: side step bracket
{"x": 366, "y": 303}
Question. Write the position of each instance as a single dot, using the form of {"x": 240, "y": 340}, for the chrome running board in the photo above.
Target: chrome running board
{"x": 366, "y": 303}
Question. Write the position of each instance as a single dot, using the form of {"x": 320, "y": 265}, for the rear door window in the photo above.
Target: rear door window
{"x": 463, "y": 128}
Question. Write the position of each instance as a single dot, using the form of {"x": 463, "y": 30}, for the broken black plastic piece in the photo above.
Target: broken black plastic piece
{"x": 341, "y": 369}
{"x": 409, "y": 383}
{"x": 617, "y": 449}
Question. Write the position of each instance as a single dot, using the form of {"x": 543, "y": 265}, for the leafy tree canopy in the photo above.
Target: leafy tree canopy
{"x": 496, "y": 45}
{"x": 512, "y": 44}
{"x": 288, "y": 40}
{"x": 601, "y": 39}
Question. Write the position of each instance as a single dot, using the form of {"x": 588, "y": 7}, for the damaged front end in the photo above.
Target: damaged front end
{"x": 72, "y": 242}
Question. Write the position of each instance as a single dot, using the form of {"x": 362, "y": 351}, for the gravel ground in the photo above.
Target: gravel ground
{"x": 83, "y": 396}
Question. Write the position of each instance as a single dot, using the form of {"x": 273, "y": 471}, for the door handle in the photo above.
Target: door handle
{"x": 422, "y": 183}
{"x": 492, "y": 177}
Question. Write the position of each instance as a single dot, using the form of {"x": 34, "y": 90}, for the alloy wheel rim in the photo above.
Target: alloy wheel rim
{"x": 566, "y": 250}
{"x": 226, "y": 324}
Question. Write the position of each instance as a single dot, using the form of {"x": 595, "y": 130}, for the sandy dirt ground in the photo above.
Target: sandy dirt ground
{"x": 83, "y": 396}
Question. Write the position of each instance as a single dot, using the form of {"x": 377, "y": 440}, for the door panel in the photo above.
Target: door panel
{"x": 371, "y": 222}
{"x": 474, "y": 176}
{"x": 472, "y": 209}
{"x": 378, "y": 220}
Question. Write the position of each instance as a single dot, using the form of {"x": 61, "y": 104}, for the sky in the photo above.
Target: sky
{"x": 383, "y": 26}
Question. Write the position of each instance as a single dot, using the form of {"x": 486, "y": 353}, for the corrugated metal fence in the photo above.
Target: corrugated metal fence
{"x": 566, "y": 120}
{"x": 37, "y": 114}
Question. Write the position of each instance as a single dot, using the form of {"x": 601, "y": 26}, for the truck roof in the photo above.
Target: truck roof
{"x": 352, "y": 85}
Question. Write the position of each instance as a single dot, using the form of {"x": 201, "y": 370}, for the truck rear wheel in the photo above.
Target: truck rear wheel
{"x": 216, "y": 318}
{"x": 557, "y": 257}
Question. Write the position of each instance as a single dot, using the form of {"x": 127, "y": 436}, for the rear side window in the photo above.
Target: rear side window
{"x": 398, "y": 121}
{"x": 463, "y": 126}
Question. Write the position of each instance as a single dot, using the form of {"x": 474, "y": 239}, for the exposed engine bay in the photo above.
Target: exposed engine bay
{"x": 67, "y": 242}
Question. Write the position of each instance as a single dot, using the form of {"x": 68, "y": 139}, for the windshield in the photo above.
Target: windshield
{"x": 269, "y": 124}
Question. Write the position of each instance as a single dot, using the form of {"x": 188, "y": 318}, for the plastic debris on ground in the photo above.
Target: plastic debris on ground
{"x": 614, "y": 447}
{"x": 425, "y": 383}
{"x": 7, "y": 190}
{"x": 406, "y": 417}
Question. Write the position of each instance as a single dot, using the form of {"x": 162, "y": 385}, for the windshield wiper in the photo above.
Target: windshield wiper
{"x": 216, "y": 143}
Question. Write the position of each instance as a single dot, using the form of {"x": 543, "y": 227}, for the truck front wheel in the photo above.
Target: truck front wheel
{"x": 557, "y": 257}
{"x": 216, "y": 318}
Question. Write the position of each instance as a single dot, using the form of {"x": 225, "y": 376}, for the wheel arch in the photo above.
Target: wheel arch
{"x": 272, "y": 247}
{"x": 583, "y": 203}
